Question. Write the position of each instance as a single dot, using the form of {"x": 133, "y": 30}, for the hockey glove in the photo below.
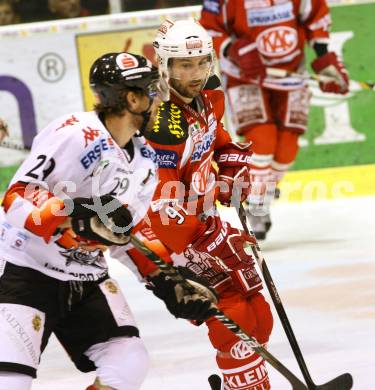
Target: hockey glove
{"x": 329, "y": 65}
{"x": 245, "y": 55}
{"x": 226, "y": 245}
{"x": 233, "y": 161}
{"x": 103, "y": 219}
{"x": 184, "y": 298}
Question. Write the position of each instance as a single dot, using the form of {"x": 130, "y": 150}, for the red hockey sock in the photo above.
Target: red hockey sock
{"x": 244, "y": 374}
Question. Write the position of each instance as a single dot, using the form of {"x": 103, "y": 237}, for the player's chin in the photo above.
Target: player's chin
{"x": 194, "y": 90}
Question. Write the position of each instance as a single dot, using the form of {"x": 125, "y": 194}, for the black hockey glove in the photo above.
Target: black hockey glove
{"x": 103, "y": 219}
{"x": 184, "y": 298}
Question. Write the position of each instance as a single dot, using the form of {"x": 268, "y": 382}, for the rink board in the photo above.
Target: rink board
{"x": 59, "y": 54}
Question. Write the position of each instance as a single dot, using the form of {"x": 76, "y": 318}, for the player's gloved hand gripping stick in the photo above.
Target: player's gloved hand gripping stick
{"x": 296, "y": 383}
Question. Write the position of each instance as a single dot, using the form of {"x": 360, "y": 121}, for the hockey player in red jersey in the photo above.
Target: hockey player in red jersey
{"x": 188, "y": 138}
{"x": 87, "y": 181}
{"x": 250, "y": 36}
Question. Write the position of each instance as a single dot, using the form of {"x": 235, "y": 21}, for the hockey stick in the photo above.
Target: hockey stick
{"x": 296, "y": 383}
{"x": 342, "y": 382}
{"x": 14, "y": 145}
{"x": 355, "y": 85}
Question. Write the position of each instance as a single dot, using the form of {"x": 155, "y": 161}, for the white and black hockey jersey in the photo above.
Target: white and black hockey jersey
{"x": 74, "y": 156}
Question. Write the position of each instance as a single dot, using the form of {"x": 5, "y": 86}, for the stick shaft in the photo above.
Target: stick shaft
{"x": 226, "y": 321}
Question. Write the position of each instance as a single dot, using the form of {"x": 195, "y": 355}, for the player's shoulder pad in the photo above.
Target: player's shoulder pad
{"x": 213, "y": 82}
{"x": 170, "y": 126}
{"x": 217, "y": 99}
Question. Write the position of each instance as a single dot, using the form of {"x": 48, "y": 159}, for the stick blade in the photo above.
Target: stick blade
{"x": 342, "y": 382}
{"x": 215, "y": 382}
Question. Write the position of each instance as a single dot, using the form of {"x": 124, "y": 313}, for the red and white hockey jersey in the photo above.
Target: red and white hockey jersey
{"x": 280, "y": 28}
{"x": 74, "y": 156}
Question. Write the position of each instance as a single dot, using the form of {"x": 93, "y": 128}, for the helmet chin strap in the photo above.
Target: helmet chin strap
{"x": 146, "y": 114}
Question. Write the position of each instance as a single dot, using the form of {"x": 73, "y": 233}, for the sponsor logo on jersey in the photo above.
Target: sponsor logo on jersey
{"x": 270, "y": 15}
{"x": 212, "y": 6}
{"x": 253, "y": 377}
{"x": 5, "y": 227}
{"x": 95, "y": 152}
{"x": 163, "y": 158}
{"x": 241, "y": 350}
{"x": 277, "y": 41}
{"x": 201, "y": 147}
{"x": 69, "y": 122}
{"x": 37, "y": 323}
{"x": 212, "y": 122}
{"x": 90, "y": 135}
{"x": 196, "y": 132}
{"x": 20, "y": 241}
{"x": 173, "y": 120}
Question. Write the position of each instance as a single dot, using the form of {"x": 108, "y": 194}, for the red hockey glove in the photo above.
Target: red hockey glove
{"x": 245, "y": 55}
{"x": 329, "y": 65}
{"x": 225, "y": 245}
{"x": 233, "y": 161}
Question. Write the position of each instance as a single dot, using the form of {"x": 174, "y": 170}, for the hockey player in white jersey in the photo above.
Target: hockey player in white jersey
{"x": 86, "y": 183}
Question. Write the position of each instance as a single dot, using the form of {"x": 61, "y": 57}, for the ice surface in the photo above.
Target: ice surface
{"x": 322, "y": 258}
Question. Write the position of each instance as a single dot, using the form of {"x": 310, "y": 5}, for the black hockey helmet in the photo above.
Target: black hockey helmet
{"x": 114, "y": 73}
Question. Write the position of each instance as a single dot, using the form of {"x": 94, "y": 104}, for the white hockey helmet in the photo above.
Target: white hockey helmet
{"x": 179, "y": 39}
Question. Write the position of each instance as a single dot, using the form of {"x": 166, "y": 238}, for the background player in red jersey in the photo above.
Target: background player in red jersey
{"x": 250, "y": 36}
{"x": 188, "y": 137}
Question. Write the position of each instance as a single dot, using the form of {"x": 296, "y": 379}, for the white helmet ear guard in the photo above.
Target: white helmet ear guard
{"x": 181, "y": 39}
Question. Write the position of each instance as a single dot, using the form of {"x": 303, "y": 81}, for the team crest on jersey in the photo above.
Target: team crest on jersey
{"x": 37, "y": 323}
{"x": 200, "y": 178}
{"x": 241, "y": 350}
{"x": 277, "y": 41}
{"x": 82, "y": 256}
{"x": 111, "y": 287}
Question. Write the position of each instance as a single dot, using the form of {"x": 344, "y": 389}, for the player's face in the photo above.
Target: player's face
{"x": 189, "y": 74}
{"x": 6, "y": 14}
{"x": 66, "y": 8}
